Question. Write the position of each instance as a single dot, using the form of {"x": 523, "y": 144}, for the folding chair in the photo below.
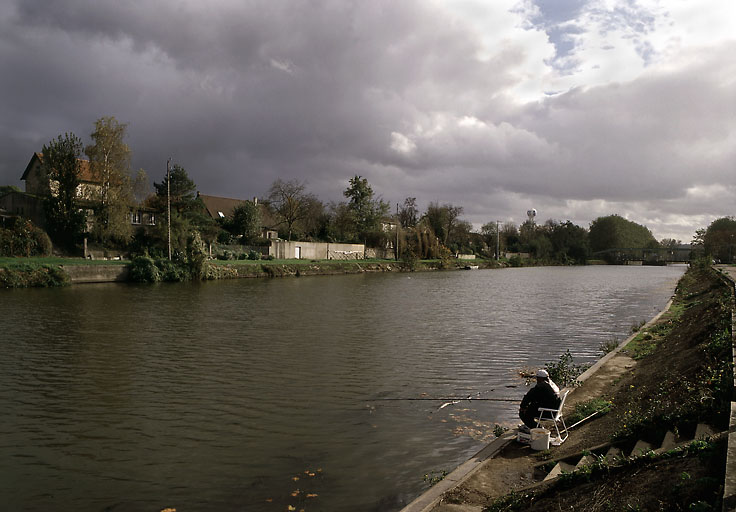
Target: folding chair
{"x": 555, "y": 416}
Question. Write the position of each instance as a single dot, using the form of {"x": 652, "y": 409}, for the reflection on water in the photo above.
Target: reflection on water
{"x": 260, "y": 394}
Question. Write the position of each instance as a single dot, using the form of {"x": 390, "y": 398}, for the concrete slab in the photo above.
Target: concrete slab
{"x": 702, "y": 431}
{"x": 640, "y": 448}
{"x": 585, "y": 461}
{"x": 559, "y": 469}
{"x": 669, "y": 441}
{"x": 613, "y": 452}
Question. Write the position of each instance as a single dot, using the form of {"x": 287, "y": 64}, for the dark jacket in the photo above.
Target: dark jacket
{"x": 541, "y": 395}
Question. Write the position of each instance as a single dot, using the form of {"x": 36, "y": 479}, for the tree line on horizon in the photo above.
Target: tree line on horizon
{"x": 297, "y": 214}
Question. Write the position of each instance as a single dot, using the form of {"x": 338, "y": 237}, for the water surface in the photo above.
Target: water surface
{"x": 233, "y": 395}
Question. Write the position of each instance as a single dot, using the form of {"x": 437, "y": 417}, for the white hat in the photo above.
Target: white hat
{"x": 542, "y": 374}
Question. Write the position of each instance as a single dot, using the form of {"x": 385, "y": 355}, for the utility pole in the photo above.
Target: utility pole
{"x": 168, "y": 201}
{"x": 498, "y": 240}
{"x": 397, "y": 232}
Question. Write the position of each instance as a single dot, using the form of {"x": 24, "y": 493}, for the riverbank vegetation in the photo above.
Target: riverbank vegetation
{"x": 101, "y": 205}
{"x": 117, "y": 210}
{"x": 25, "y": 274}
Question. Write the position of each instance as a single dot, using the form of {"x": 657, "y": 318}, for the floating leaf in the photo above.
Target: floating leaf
{"x": 291, "y": 509}
{"x": 269, "y": 500}
{"x": 312, "y": 495}
{"x": 295, "y": 493}
{"x": 296, "y": 478}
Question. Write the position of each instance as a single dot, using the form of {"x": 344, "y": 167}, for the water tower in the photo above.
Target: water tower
{"x": 531, "y": 214}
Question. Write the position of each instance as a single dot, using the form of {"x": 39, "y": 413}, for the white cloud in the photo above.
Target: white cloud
{"x": 283, "y": 65}
{"x": 402, "y": 144}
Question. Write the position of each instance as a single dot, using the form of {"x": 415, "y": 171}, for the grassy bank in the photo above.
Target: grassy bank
{"x": 19, "y": 262}
{"x": 43, "y": 272}
{"x": 39, "y": 271}
{"x": 32, "y": 275}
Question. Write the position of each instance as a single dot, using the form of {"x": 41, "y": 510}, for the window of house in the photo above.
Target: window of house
{"x": 222, "y": 215}
{"x": 152, "y": 219}
{"x": 137, "y": 217}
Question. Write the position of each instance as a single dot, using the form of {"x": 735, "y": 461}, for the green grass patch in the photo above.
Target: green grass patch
{"x": 644, "y": 344}
{"x": 585, "y": 409}
{"x": 17, "y": 262}
{"x": 299, "y": 262}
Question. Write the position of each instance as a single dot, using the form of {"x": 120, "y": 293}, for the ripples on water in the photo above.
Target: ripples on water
{"x": 216, "y": 396}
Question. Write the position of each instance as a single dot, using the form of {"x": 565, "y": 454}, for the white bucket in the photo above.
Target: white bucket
{"x": 540, "y": 439}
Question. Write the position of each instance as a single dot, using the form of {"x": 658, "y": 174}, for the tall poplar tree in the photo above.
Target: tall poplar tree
{"x": 109, "y": 158}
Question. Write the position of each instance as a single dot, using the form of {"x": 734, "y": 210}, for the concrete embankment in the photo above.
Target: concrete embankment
{"x": 80, "y": 274}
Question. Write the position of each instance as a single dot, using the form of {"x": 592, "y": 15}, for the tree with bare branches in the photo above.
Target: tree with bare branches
{"x": 291, "y": 202}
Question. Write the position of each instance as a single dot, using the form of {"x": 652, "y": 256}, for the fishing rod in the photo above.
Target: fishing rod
{"x": 459, "y": 398}
{"x": 450, "y": 400}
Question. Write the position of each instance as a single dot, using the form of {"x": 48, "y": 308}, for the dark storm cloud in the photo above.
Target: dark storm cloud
{"x": 270, "y": 86}
{"x": 243, "y": 93}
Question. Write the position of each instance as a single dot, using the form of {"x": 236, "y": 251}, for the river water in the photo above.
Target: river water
{"x": 264, "y": 394}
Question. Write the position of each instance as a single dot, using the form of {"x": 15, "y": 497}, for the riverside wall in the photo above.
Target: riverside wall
{"x": 99, "y": 273}
{"x": 80, "y": 274}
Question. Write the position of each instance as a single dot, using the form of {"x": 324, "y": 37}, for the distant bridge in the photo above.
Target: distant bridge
{"x": 644, "y": 256}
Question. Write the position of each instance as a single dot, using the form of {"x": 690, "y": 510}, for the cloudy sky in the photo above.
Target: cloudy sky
{"x": 576, "y": 108}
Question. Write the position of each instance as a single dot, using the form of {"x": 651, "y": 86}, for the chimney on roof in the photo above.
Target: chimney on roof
{"x": 255, "y": 200}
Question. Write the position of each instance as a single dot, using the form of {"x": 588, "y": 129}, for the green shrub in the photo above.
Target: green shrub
{"x": 171, "y": 271}
{"x": 196, "y": 256}
{"x": 564, "y": 372}
{"x": 267, "y": 257}
{"x": 609, "y": 346}
{"x": 43, "y": 242}
{"x": 32, "y": 275}
{"x": 434, "y": 477}
{"x": 24, "y": 239}
{"x": 254, "y": 255}
{"x": 445, "y": 257}
{"x": 409, "y": 259}
{"x": 144, "y": 270}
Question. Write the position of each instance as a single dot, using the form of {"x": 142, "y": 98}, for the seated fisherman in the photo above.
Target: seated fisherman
{"x": 545, "y": 394}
